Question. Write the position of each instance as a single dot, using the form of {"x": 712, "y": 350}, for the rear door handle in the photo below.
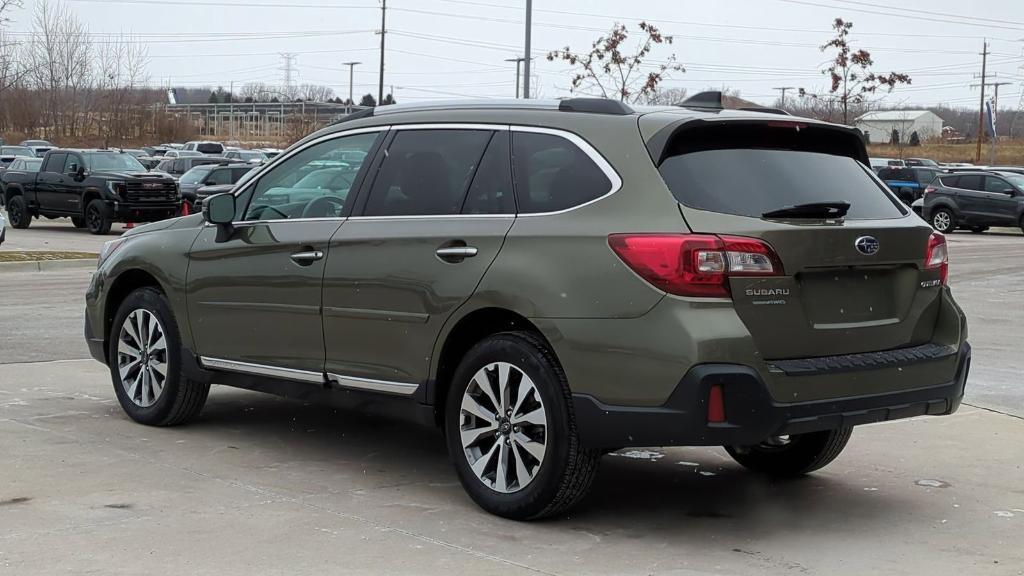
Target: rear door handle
{"x": 308, "y": 257}
{"x": 456, "y": 253}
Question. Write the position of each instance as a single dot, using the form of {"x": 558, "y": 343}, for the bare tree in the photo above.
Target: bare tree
{"x": 667, "y": 97}
{"x": 6, "y": 6}
{"x": 121, "y": 72}
{"x": 852, "y": 80}
{"x": 60, "y": 53}
{"x": 609, "y": 72}
{"x": 315, "y": 93}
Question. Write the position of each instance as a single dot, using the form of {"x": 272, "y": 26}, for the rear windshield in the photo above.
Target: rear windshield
{"x": 752, "y": 181}
{"x": 904, "y": 174}
{"x": 209, "y": 148}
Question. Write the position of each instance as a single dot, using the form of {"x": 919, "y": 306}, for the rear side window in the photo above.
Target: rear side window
{"x": 750, "y": 182}
{"x": 902, "y": 174}
{"x": 426, "y": 172}
{"x": 970, "y": 182}
{"x": 551, "y": 174}
{"x": 55, "y": 163}
{"x": 491, "y": 191}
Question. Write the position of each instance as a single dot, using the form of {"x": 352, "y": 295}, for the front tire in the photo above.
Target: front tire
{"x": 943, "y": 221}
{"x": 511, "y": 431}
{"x": 18, "y": 214}
{"x": 97, "y": 218}
{"x": 144, "y": 356}
{"x": 979, "y": 229}
{"x": 78, "y": 221}
{"x": 792, "y": 455}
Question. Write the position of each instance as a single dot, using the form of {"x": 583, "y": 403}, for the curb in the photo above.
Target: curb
{"x": 48, "y": 265}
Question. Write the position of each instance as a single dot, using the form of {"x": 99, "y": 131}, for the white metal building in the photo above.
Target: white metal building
{"x": 879, "y": 126}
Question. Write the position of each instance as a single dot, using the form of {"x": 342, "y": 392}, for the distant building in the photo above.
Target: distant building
{"x": 882, "y": 127}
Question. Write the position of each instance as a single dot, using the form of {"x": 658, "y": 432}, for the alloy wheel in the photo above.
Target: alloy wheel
{"x": 142, "y": 357}
{"x": 93, "y": 219}
{"x": 503, "y": 424}
{"x": 942, "y": 221}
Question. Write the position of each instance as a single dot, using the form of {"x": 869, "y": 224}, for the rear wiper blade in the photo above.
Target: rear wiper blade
{"x": 825, "y": 210}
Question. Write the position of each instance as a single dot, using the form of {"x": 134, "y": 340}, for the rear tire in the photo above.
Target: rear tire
{"x": 520, "y": 458}
{"x": 979, "y": 229}
{"x": 17, "y": 213}
{"x": 97, "y": 218}
{"x": 793, "y": 455}
{"x": 145, "y": 351}
{"x": 943, "y": 221}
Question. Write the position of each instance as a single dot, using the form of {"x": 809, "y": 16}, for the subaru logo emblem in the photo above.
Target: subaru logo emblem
{"x": 867, "y": 245}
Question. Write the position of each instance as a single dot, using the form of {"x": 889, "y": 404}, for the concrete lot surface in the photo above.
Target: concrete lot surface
{"x": 261, "y": 485}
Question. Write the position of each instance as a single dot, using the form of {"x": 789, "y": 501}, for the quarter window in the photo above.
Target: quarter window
{"x": 426, "y": 172}
{"x": 491, "y": 191}
{"x": 551, "y": 173}
{"x": 281, "y": 192}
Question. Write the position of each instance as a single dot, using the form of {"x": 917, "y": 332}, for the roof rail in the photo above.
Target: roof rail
{"x": 595, "y": 106}
{"x": 711, "y": 99}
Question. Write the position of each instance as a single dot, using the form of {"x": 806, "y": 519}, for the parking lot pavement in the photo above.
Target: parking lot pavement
{"x": 57, "y": 234}
{"x": 261, "y": 485}
{"x": 270, "y": 486}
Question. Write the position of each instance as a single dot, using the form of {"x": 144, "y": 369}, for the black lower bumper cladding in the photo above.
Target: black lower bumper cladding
{"x": 752, "y": 415}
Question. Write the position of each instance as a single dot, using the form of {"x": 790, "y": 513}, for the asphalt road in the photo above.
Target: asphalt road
{"x": 261, "y": 485}
{"x": 57, "y": 234}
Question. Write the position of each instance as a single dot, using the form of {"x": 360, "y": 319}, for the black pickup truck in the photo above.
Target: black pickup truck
{"x": 93, "y": 187}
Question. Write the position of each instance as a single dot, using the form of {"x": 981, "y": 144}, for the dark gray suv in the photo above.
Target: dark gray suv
{"x": 548, "y": 281}
{"x": 975, "y": 201}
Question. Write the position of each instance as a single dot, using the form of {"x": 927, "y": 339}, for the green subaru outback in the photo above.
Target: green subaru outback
{"x": 547, "y": 282}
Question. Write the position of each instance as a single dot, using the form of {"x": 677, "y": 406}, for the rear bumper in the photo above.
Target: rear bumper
{"x": 751, "y": 414}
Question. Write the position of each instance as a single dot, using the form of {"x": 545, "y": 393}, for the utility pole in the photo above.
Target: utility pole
{"x": 981, "y": 107}
{"x": 519, "y": 62}
{"x": 383, "y": 14}
{"x": 351, "y": 68}
{"x": 783, "y": 90}
{"x": 526, "y": 56}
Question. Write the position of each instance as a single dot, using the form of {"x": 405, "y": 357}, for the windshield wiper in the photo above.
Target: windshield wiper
{"x": 823, "y": 210}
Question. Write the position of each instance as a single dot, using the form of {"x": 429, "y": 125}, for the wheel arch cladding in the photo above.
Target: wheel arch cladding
{"x": 125, "y": 283}
{"x": 464, "y": 334}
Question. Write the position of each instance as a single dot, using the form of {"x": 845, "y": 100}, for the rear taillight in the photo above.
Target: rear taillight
{"x": 937, "y": 256}
{"x": 929, "y": 190}
{"x": 695, "y": 264}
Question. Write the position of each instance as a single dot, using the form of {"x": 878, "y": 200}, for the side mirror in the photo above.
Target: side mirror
{"x": 219, "y": 209}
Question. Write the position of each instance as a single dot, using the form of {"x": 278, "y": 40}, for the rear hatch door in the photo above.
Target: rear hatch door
{"x": 849, "y": 285}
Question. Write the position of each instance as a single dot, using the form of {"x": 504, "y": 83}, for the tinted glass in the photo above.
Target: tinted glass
{"x": 219, "y": 176}
{"x": 925, "y": 176}
{"x": 551, "y": 174}
{"x": 209, "y": 148}
{"x": 950, "y": 181}
{"x": 1016, "y": 179}
{"x": 32, "y": 165}
{"x": 277, "y": 194}
{"x": 195, "y": 175}
{"x": 426, "y": 172}
{"x": 970, "y": 182}
{"x": 55, "y": 163}
{"x": 71, "y": 164}
{"x": 902, "y": 174}
{"x": 113, "y": 162}
{"x": 750, "y": 182}
{"x": 993, "y": 184}
{"x": 491, "y": 191}
{"x": 237, "y": 173}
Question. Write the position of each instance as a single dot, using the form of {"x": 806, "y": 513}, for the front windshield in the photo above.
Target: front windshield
{"x": 195, "y": 175}
{"x": 106, "y": 162}
{"x": 1015, "y": 179}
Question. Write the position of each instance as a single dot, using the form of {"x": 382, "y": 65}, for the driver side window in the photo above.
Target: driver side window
{"x": 314, "y": 183}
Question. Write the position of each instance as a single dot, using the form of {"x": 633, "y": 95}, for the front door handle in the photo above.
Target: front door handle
{"x": 308, "y": 257}
{"x": 456, "y": 253}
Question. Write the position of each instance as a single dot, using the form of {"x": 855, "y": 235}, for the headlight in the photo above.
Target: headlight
{"x": 117, "y": 188}
{"x": 108, "y": 250}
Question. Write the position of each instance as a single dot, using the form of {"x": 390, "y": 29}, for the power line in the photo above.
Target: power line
{"x": 901, "y": 15}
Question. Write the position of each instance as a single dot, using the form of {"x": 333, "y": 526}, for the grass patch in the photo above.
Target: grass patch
{"x": 34, "y": 255}
{"x": 1010, "y": 153}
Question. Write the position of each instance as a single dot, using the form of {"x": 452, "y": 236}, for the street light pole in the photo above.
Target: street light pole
{"x": 351, "y": 68}
{"x": 383, "y": 14}
{"x": 526, "y": 56}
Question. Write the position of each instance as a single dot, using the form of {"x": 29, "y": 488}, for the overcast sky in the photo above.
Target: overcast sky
{"x": 457, "y": 48}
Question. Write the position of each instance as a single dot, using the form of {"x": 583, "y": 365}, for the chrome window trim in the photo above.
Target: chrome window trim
{"x": 262, "y": 370}
{"x": 452, "y": 126}
{"x": 433, "y": 217}
{"x": 400, "y": 388}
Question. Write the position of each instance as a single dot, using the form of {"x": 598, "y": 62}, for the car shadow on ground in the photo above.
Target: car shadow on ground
{"x": 677, "y": 491}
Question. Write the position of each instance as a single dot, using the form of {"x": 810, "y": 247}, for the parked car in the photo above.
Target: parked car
{"x": 208, "y": 175}
{"x": 6, "y": 161}
{"x": 205, "y": 147}
{"x": 909, "y": 182}
{"x": 920, "y": 162}
{"x": 182, "y": 154}
{"x": 149, "y": 162}
{"x": 204, "y": 192}
{"x": 177, "y": 167}
{"x": 134, "y": 152}
{"x": 18, "y": 165}
{"x": 93, "y": 187}
{"x": 975, "y": 200}
{"x": 548, "y": 281}
{"x": 11, "y": 151}
{"x": 155, "y": 151}
{"x": 172, "y": 146}
{"x": 270, "y": 152}
{"x": 39, "y": 147}
{"x": 251, "y": 156}
{"x": 879, "y": 163}
{"x": 1011, "y": 169}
